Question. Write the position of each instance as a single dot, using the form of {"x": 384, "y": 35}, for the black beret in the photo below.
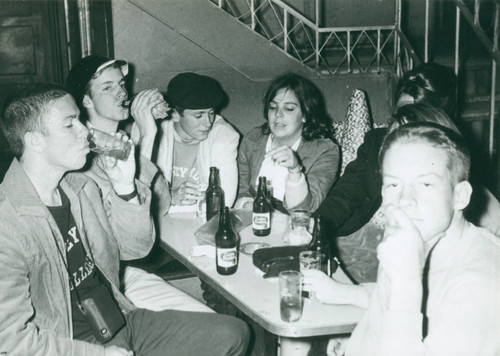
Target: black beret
{"x": 193, "y": 91}
{"x": 83, "y": 71}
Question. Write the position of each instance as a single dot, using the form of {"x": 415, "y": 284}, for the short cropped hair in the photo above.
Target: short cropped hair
{"x": 436, "y": 136}
{"x": 24, "y": 110}
{"x": 318, "y": 124}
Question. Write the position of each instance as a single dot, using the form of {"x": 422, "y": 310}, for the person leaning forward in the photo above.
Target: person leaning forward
{"x": 53, "y": 225}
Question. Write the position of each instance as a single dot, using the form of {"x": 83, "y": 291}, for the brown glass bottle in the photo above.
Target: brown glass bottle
{"x": 261, "y": 213}
{"x": 226, "y": 245}
{"x": 319, "y": 244}
{"x": 214, "y": 194}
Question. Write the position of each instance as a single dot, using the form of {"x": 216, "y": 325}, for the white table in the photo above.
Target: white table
{"x": 255, "y": 296}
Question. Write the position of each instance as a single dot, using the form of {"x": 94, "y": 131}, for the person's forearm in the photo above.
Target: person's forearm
{"x": 296, "y": 189}
{"x": 356, "y": 295}
{"x": 146, "y": 145}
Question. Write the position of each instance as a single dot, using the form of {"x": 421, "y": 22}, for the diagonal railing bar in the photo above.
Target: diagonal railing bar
{"x": 307, "y": 35}
{"x": 354, "y": 47}
{"x": 262, "y": 25}
{"x": 391, "y": 34}
{"x": 294, "y": 47}
{"x": 480, "y": 33}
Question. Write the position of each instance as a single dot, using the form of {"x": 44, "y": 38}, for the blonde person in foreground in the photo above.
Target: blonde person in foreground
{"x": 438, "y": 285}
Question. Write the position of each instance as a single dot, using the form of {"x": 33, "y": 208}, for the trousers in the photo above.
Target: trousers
{"x": 173, "y": 332}
{"x": 148, "y": 291}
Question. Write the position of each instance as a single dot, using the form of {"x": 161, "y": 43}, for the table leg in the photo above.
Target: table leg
{"x": 294, "y": 346}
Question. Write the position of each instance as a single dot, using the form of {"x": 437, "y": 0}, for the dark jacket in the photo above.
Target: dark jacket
{"x": 356, "y": 195}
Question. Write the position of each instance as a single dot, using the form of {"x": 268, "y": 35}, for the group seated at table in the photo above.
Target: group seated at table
{"x": 389, "y": 215}
{"x": 61, "y": 246}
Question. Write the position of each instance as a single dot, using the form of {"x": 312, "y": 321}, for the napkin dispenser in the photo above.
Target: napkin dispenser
{"x": 273, "y": 260}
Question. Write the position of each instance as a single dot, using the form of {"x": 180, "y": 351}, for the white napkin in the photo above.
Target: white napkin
{"x": 202, "y": 250}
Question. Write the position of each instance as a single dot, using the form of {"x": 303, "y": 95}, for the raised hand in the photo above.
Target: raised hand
{"x": 402, "y": 253}
{"x": 187, "y": 194}
{"x": 141, "y": 110}
{"x": 121, "y": 174}
{"x": 284, "y": 156}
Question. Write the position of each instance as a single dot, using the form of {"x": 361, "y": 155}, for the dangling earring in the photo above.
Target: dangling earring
{"x": 303, "y": 120}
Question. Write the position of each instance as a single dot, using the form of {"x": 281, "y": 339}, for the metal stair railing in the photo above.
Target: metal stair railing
{"x": 490, "y": 42}
{"x": 328, "y": 50}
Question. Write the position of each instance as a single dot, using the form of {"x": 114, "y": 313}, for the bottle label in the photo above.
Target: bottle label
{"x": 261, "y": 221}
{"x": 227, "y": 257}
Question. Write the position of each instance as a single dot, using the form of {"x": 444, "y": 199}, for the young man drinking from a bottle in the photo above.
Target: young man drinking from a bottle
{"x": 98, "y": 86}
{"x": 438, "y": 285}
{"x": 61, "y": 247}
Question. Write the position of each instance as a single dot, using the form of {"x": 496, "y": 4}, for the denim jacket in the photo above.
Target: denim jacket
{"x": 35, "y": 305}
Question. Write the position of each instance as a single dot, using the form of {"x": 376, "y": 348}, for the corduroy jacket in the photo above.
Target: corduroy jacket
{"x": 320, "y": 158}
{"x": 35, "y": 304}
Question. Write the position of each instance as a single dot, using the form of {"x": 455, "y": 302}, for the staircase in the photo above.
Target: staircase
{"x": 326, "y": 49}
{"x": 248, "y": 54}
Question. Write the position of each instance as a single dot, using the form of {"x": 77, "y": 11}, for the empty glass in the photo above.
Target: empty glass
{"x": 108, "y": 145}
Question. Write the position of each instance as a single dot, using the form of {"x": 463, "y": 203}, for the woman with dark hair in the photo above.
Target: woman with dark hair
{"x": 293, "y": 148}
{"x": 428, "y": 83}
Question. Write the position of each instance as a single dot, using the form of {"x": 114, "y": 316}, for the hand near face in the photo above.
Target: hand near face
{"x": 284, "y": 156}
{"x": 402, "y": 253}
{"x": 141, "y": 110}
{"x": 121, "y": 174}
{"x": 187, "y": 194}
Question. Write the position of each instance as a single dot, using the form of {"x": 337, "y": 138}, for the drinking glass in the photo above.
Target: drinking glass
{"x": 298, "y": 230}
{"x": 300, "y": 218}
{"x": 290, "y": 295}
{"x": 310, "y": 260}
{"x": 108, "y": 145}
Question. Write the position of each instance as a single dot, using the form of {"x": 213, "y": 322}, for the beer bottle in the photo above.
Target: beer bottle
{"x": 226, "y": 245}
{"x": 319, "y": 244}
{"x": 261, "y": 213}
{"x": 214, "y": 194}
